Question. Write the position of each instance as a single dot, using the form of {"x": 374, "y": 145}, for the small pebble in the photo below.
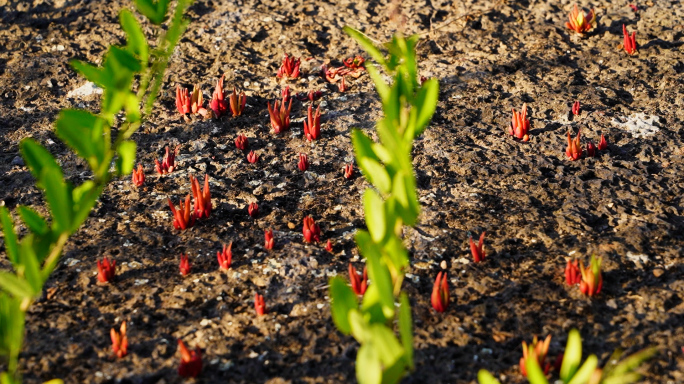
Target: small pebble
{"x": 658, "y": 272}
{"x": 18, "y": 161}
{"x": 443, "y": 264}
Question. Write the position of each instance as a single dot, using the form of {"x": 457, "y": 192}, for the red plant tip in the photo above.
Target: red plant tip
{"x": 225, "y": 256}
{"x": 119, "y": 341}
{"x": 237, "y": 102}
{"x": 196, "y": 102}
{"x": 183, "y": 217}
{"x": 285, "y": 93}
{"x": 354, "y": 62}
{"x": 241, "y": 142}
{"x": 634, "y": 7}
{"x": 303, "y": 162}
{"x": 280, "y": 119}
{"x": 538, "y": 349}
{"x": 311, "y": 96}
{"x": 592, "y": 281}
{"x": 184, "y": 265}
{"x": 478, "y": 250}
{"x": 348, "y": 171}
{"x": 576, "y": 108}
{"x": 191, "y": 361}
{"x": 259, "y": 305}
{"x": 311, "y": 231}
{"x": 342, "y": 86}
{"x": 168, "y": 163}
{"x": 591, "y": 149}
{"x": 312, "y": 130}
{"x": 520, "y": 125}
{"x": 138, "y": 176}
{"x": 218, "y": 104}
{"x": 253, "y": 210}
{"x": 289, "y": 68}
{"x": 268, "y": 239}
{"x": 358, "y": 284}
{"x": 328, "y": 246}
{"x": 440, "y": 293}
{"x": 252, "y": 157}
{"x": 603, "y": 144}
{"x": 574, "y": 150}
{"x": 106, "y": 271}
{"x": 572, "y": 273}
{"x": 202, "y": 197}
{"x": 629, "y": 41}
{"x": 579, "y": 22}
{"x": 182, "y": 100}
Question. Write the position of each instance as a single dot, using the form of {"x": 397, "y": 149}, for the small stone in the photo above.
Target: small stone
{"x": 18, "y": 161}
{"x": 291, "y": 225}
{"x": 443, "y": 264}
{"x": 611, "y": 303}
{"x": 658, "y": 272}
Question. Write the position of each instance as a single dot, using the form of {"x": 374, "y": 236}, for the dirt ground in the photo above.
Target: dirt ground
{"x": 537, "y": 207}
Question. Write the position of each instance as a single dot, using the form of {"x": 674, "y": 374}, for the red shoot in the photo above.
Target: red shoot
{"x": 106, "y": 271}
{"x": 184, "y": 217}
{"x": 218, "y": 104}
{"x": 225, "y": 256}
{"x": 478, "y": 250}
{"x": 182, "y": 100}
{"x": 328, "y": 246}
{"x": 574, "y": 150}
{"x": 440, "y": 293}
{"x": 580, "y": 22}
{"x": 303, "y": 164}
{"x": 311, "y": 96}
{"x": 354, "y": 63}
{"x": 634, "y": 7}
{"x": 289, "y": 68}
{"x": 237, "y": 102}
{"x": 358, "y": 284}
{"x": 184, "y": 265}
{"x": 253, "y": 210}
{"x": 348, "y": 171}
{"x": 603, "y": 144}
{"x": 342, "y": 86}
{"x": 311, "y": 231}
{"x": 591, "y": 149}
{"x": 572, "y": 273}
{"x": 285, "y": 93}
{"x": 138, "y": 176}
{"x": 119, "y": 341}
{"x": 576, "y": 108}
{"x": 520, "y": 125}
{"x": 191, "y": 361}
{"x": 280, "y": 119}
{"x": 202, "y": 197}
{"x": 241, "y": 142}
{"x": 168, "y": 163}
{"x": 312, "y": 130}
{"x": 196, "y": 102}
{"x": 592, "y": 281}
{"x": 259, "y": 305}
{"x": 629, "y": 41}
{"x": 268, "y": 239}
{"x": 540, "y": 351}
{"x": 252, "y": 157}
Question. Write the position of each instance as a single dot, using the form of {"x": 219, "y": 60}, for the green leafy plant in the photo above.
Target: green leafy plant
{"x": 36, "y": 254}
{"x": 392, "y": 203}
{"x": 573, "y": 371}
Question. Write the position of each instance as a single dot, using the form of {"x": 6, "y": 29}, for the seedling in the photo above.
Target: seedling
{"x": 520, "y": 125}
{"x": 252, "y": 157}
{"x": 289, "y": 68}
{"x": 259, "y": 304}
{"x": 119, "y": 341}
{"x": 478, "y": 250}
{"x": 191, "y": 361}
{"x": 237, "y": 102}
{"x": 168, "y": 163}
{"x": 592, "y": 281}
{"x": 202, "y": 197}
{"x": 253, "y": 210}
{"x": 285, "y": 94}
{"x": 540, "y": 349}
{"x": 241, "y": 142}
{"x": 355, "y": 63}
{"x": 138, "y": 176}
{"x": 329, "y": 246}
{"x": 440, "y": 293}
{"x": 303, "y": 163}
{"x": 280, "y": 119}
{"x": 574, "y": 150}
{"x": 225, "y": 257}
{"x": 591, "y": 149}
{"x": 629, "y": 43}
{"x": 269, "y": 241}
{"x": 184, "y": 265}
{"x": 579, "y": 22}
{"x": 573, "y": 275}
{"x": 603, "y": 144}
{"x": 311, "y": 230}
{"x": 576, "y": 108}
{"x": 218, "y": 104}
{"x": 343, "y": 86}
{"x": 358, "y": 284}
{"x": 184, "y": 217}
{"x": 106, "y": 270}
{"x": 183, "y": 104}
{"x": 197, "y": 102}
{"x": 312, "y": 130}
{"x": 311, "y": 96}
{"x": 348, "y": 171}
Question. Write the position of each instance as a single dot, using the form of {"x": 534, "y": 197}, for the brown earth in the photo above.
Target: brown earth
{"x": 537, "y": 207}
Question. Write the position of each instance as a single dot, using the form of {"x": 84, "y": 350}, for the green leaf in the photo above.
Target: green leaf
{"x": 38, "y": 158}
{"x": 343, "y": 300}
{"x": 375, "y": 173}
{"x": 535, "y": 375}
{"x": 406, "y": 328}
{"x": 380, "y": 86}
{"x": 33, "y": 220}
{"x": 125, "y": 161}
{"x": 380, "y": 276}
{"x": 11, "y": 246}
{"x": 30, "y": 263}
{"x": 155, "y": 11}
{"x": 619, "y": 373}
{"x": 583, "y": 374}
{"x": 572, "y": 358}
{"x": 11, "y": 332}
{"x": 92, "y": 73}
{"x": 82, "y": 131}
{"x": 386, "y": 345}
{"x": 15, "y": 286}
{"x": 84, "y": 196}
{"x": 58, "y": 197}
{"x": 374, "y": 208}
{"x": 133, "y": 115}
{"x": 136, "y": 41}
{"x": 363, "y": 145}
{"x": 426, "y": 103}
{"x": 484, "y": 377}
{"x": 360, "y": 328}
{"x": 366, "y": 44}
{"x": 368, "y": 366}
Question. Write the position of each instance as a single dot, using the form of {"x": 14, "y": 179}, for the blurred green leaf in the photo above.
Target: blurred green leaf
{"x": 426, "y": 103}
{"x": 30, "y": 263}
{"x": 380, "y": 86}
{"x": 33, "y": 220}
{"x": 38, "y": 158}
{"x": 374, "y": 209}
{"x": 343, "y": 299}
{"x": 375, "y": 173}
{"x": 15, "y": 286}
{"x": 82, "y": 131}
{"x": 406, "y": 328}
{"x": 366, "y": 44}
{"x": 11, "y": 246}
{"x": 484, "y": 377}
{"x": 368, "y": 366}
{"x": 572, "y": 358}
{"x": 154, "y": 11}
{"x": 534, "y": 372}
{"x": 58, "y": 197}
{"x": 136, "y": 41}
{"x": 125, "y": 161}
{"x": 584, "y": 373}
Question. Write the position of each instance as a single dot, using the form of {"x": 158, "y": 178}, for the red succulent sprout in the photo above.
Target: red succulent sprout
{"x": 106, "y": 270}
{"x": 358, "y": 284}
{"x": 241, "y": 142}
{"x": 182, "y": 100}
{"x": 202, "y": 197}
{"x": 576, "y": 108}
{"x": 168, "y": 163}
{"x": 580, "y": 22}
{"x": 591, "y": 149}
{"x": 138, "y": 176}
{"x": 478, "y": 250}
{"x": 183, "y": 217}
{"x": 252, "y": 157}
{"x": 184, "y": 265}
{"x": 312, "y": 130}
{"x": 237, "y": 102}
{"x": 520, "y": 125}
{"x": 440, "y": 293}
{"x": 285, "y": 94}
{"x": 311, "y": 230}
{"x": 303, "y": 163}
{"x": 342, "y": 87}
{"x": 354, "y": 63}
{"x": 329, "y": 246}
{"x": 197, "y": 102}
{"x": 253, "y": 210}
{"x": 629, "y": 42}
{"x": 348, "y": 171}
{"x": 218, "y": 104}
{"x": 259, "y": 304}
{"x": 269, "y": 241}
{"x": 119, "y": 341}
{"x": 574, "y": 150}
{"x": 280, "y": 119}
{"x": 592, "y": 281}
{"x": 539, "y": 351}
{"x": 225, "y": 256}
{"x": 191, "y": 361}
{"x": 332, "y": 75}
{"x": 603, "y": 144}
{"x": 634, "y": 7}
{"x": 289, "y": 68}
{"x": 311, "y": 96}
{"x": 572, "y": 273}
